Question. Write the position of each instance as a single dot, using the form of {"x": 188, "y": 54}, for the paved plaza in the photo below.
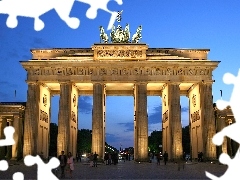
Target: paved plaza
{"x": 127, "y": 170}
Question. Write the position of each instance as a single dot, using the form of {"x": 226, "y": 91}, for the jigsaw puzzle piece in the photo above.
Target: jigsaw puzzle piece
{"x": 221, "y": 104}
{"x": 36, "y": 8}
{"x": 211, "y": 176}
{"x": 44, "y": 169}
{"x": 3, "y": 165}
{"x": 63, "y": 8}
{"x": 100, "y": 4}
{"x": 18, "y": 176}
{"x": 25, "y": 8}
{"x": 8, "y": 132}
{"x": 227, "y": 131}
{"x": 224, "y": 159}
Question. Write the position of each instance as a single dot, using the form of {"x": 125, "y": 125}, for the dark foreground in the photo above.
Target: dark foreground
{"x": 127, "y": 170}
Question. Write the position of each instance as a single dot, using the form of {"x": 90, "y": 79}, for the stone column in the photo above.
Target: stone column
{"x": 135, "y": 124}
{"x": 9, "y": 148}
{"x": 104, "y": 118}
{"x": 97, "y": 120}
{"x": 175, "y": 120}
{"x": 171, "y": 121}
{"x": 15, "y": 137}
{"x": 64, "y": 117}
{"x": 31, "y": 119}
{"x": 207, "y": 120}
{"x": 220, "y": 124}
{"x": 2, "y": 136}
{"x": 141, "y": 130}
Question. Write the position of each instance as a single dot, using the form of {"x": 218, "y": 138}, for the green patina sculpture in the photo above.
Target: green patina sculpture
{"x": 119, "y": 35}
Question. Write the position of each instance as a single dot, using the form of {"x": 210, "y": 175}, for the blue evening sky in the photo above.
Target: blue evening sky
{"x": 166, "y": 24}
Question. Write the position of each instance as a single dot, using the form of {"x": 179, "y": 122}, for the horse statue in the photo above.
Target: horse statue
{"x": 126, "y": 34}
{"x": 137, "y": 36}
{"x": 103, "y": 35}
{"x": 119, "y": 35}
{"x": 112, "y": 34}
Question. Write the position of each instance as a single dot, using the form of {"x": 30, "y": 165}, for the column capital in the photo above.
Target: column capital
{"x": 98, "y": 82}
{"x": 208, "y": 82}
{"x": 141, "y": 82}
{"x": 32, "y": 82}
{"x": 173, "y": 83}
{"x": 65, "y": 82}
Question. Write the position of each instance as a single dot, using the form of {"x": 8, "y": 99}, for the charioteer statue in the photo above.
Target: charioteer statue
{"x": 120, "y": 35}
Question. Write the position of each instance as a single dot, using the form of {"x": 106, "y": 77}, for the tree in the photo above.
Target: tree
{"x": 186, "y": 140}
{"x": 84, "y": 141}
{"x": 53, "y": 139}
{"x": 154, "y": 140}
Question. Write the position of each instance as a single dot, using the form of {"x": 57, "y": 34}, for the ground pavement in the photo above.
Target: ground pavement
{"x": 127, "y": 170}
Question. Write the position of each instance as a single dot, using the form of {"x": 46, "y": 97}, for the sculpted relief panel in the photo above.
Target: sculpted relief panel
{"x": 170, "y": 71}
{"x": 119, "y": 54}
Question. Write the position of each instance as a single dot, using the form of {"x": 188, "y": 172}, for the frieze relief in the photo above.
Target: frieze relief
{"x": 73, "y": 117}
{"x": 195, "y": 116}
{"x": 106, "y": 54}
{"x": 194, "y": 100}
{"x": 151, "y": 71}
{"x": 45, "y": 100}
{"x": 74, "y": 100}
{"x": 165, "y": 117}
{"x": 43, "y": 116}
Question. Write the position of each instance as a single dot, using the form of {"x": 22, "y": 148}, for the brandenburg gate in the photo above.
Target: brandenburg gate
{"x": 114, "y": 69}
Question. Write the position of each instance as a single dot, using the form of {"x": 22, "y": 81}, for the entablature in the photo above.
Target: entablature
{"x": 119, "y": 51}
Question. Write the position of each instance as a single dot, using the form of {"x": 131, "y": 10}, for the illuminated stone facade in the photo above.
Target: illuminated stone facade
{"x": 120, "y": 69}
{"x": 225, "y": 118}
{"x": 12, "y": 114}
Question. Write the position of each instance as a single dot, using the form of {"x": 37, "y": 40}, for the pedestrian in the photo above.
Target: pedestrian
{"x": 201, "y": 156}
{"x": 90, "y": 157}
{"x": 63, "y": 161}
{"x": 95, "y": 159}
{"x": 109, "y": 159}
{"x": 77, "y": 156}
{"x": 80, "y": 157}
{"x": 184, "y": 156}
{"x": 158, "y": 158}
{"x": 106, "y": 158}
{"x": 70, "y": 163}
{"x": 165, "y": 157}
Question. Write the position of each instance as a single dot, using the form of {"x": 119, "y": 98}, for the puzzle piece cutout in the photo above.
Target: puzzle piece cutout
{"x": 231, "y": 131}
{"x": 233, "y": 167}
{"x": 36, "y": 8}
{"x": 3, "y": 165}
{"x": 44, "y": 169}
{"x": 8, "y": 132}
{"x": 101, "y": 4}
{"x": 8, "y": 141}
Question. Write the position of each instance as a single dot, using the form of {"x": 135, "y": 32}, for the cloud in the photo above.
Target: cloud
{"x": 156, "y": 116}
{"x": 128, "y": 125}
{"x": 154, "y": 127}
{"x": 85, "y": 104}
{"x": 124, "y": 139}
{"x": 184, "y": 109}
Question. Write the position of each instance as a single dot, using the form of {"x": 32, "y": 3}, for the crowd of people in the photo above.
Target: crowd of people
{"x": 67, "y": 161}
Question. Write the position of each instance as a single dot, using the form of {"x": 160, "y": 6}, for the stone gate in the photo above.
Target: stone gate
{"x": 129, "y": 69}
